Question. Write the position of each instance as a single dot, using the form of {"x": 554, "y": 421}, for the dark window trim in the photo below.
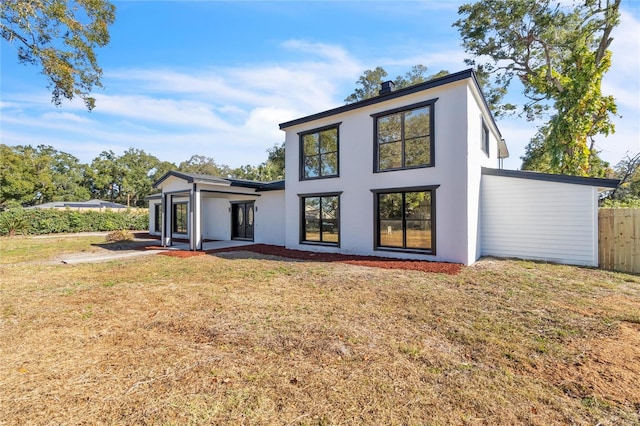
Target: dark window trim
{"x": 486, "y": 137}
{"x": 376, "y": 153}
{"x": 157, "y": 217}
{"x": 301, "y": 156}
{"x": 302, "y": 231}
{"x": 174, "y": 222}
{"x": 376, "y": 218}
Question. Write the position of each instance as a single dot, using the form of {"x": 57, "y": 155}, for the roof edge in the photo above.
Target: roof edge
{"x": 243, "y": 183}
{"x": 447, "y": 79}
{"x": 548, "y": 177}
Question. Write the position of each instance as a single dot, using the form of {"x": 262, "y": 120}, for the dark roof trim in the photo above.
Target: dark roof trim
{"x": 189, "y": 177}
{"x": 210, "y": 191}
{"x": 257, "y": 185}
{"x": 447, "y": 79}
{"x": 576, "y": 180}
{"x": 243, "y": 183}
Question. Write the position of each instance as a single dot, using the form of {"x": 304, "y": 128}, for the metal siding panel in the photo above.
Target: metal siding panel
{"x": 537, "y": 220}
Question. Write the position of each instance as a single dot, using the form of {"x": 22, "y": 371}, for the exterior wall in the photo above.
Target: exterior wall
{"x": 531, "y": 219}
{"x": 477, "y": 158}
{"x": 270, "y": 218}
{"x": 216, "y": 219}
{"x": 356, "y": 180}
{"x": 175, "y": 184}
{"x": 152, "y": 218}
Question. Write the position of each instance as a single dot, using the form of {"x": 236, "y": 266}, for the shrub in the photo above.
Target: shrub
{"x": 13, "y": 222}
{"x": 48, "y": 221}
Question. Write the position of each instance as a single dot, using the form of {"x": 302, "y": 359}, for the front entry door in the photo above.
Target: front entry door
{"x": 242, "y": 217}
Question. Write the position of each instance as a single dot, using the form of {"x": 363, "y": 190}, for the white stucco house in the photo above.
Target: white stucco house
{"x": 411, "y": 173}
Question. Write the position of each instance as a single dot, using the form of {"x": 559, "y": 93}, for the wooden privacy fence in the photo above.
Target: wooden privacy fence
{"x": 619, "y": 239}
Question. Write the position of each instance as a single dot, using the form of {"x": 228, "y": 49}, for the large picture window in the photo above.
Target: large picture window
{"x": 180, "y": 218}
{"x": 320, "y": 219}
{"x": 405, "y": 219}
{"x": 404, "y": 137}
{"x": 319, "y": 153}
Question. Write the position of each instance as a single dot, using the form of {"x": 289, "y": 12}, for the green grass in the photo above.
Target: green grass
{"x": 28, "y": 249}
{"x": 248, "y": 340}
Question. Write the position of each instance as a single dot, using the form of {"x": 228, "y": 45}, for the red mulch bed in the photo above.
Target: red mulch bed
{"x": 372, "y": 261}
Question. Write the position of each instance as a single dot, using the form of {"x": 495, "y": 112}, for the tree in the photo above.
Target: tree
{"x": 128, "y": 178}
{"x": 276, "y": 160}
{"x": 30, "y": 176}
{"x": 559, "y": 52}
{"x": 106, "y": 177}
{"x": 16, "y": 181}
{"x": 628, "y": 171}
{"x": 61, "y": 38}
{"x": 140, "y": 171}
{"x": 61, "y": 176}
{"x": 204, "y": 166}
{"x": 371, "y": 80}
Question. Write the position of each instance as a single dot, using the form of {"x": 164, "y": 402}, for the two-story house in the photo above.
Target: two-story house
{"x": 411, "y": 173}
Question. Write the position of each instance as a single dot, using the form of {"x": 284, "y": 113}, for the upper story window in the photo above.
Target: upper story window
{"x": 485, "y": 137}
{"x": 319, "y": 153}
{"x": 404, "y": 137}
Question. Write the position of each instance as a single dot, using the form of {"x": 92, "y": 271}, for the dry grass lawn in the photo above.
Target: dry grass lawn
{"x": 244, "y": 338}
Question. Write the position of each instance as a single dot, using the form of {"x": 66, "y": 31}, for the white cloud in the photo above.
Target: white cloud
{"x": 164, "y": 112}
{"x": 62, "y": 117}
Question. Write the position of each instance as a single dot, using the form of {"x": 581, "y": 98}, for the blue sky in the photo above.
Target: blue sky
{"x": 216, "y": 78}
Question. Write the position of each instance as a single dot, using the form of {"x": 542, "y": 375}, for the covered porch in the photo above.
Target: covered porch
{"x": 200, "y": 212}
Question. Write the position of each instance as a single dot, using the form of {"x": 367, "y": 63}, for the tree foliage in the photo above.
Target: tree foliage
{"x": 559, "y": 52}
{"x": 204, "y": 165}
{"x": 61, "y": 37}
{"x": 368, "y": 84}
{"x": 30, "y": 176}
{"x": 628, "y": 192}
{"x": 126, "y": 179}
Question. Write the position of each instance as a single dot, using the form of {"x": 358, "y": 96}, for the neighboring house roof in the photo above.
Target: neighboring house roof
{"x": 91, "y": 204}
{"x": 577, "y": 180}
{"x": 244, "y": 183}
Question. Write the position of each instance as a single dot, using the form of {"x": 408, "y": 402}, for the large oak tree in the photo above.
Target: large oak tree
{"x": 559, "y": 51}
{"x": 61, "y": 37}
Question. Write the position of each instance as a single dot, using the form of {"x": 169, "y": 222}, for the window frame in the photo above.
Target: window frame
{"x": 157, "y": 217}
{"x": 376, "y": 146}
{"x": 376, "y": 219}
{"x": 175, "y": 229}
{"x": 303, "y": 231}
{"x": 486, "y": 138}
{"x": 302, "y": 155}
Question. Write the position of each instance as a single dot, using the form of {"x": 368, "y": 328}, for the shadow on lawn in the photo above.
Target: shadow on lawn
{"x": 141, "y": 241}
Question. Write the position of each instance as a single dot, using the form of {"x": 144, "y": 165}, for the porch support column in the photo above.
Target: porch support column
{"x": 167, "y": 201}
{"x": 163, "y": 218}
{"x": 191, "y": 225}
{"x": 197, "y": 217}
